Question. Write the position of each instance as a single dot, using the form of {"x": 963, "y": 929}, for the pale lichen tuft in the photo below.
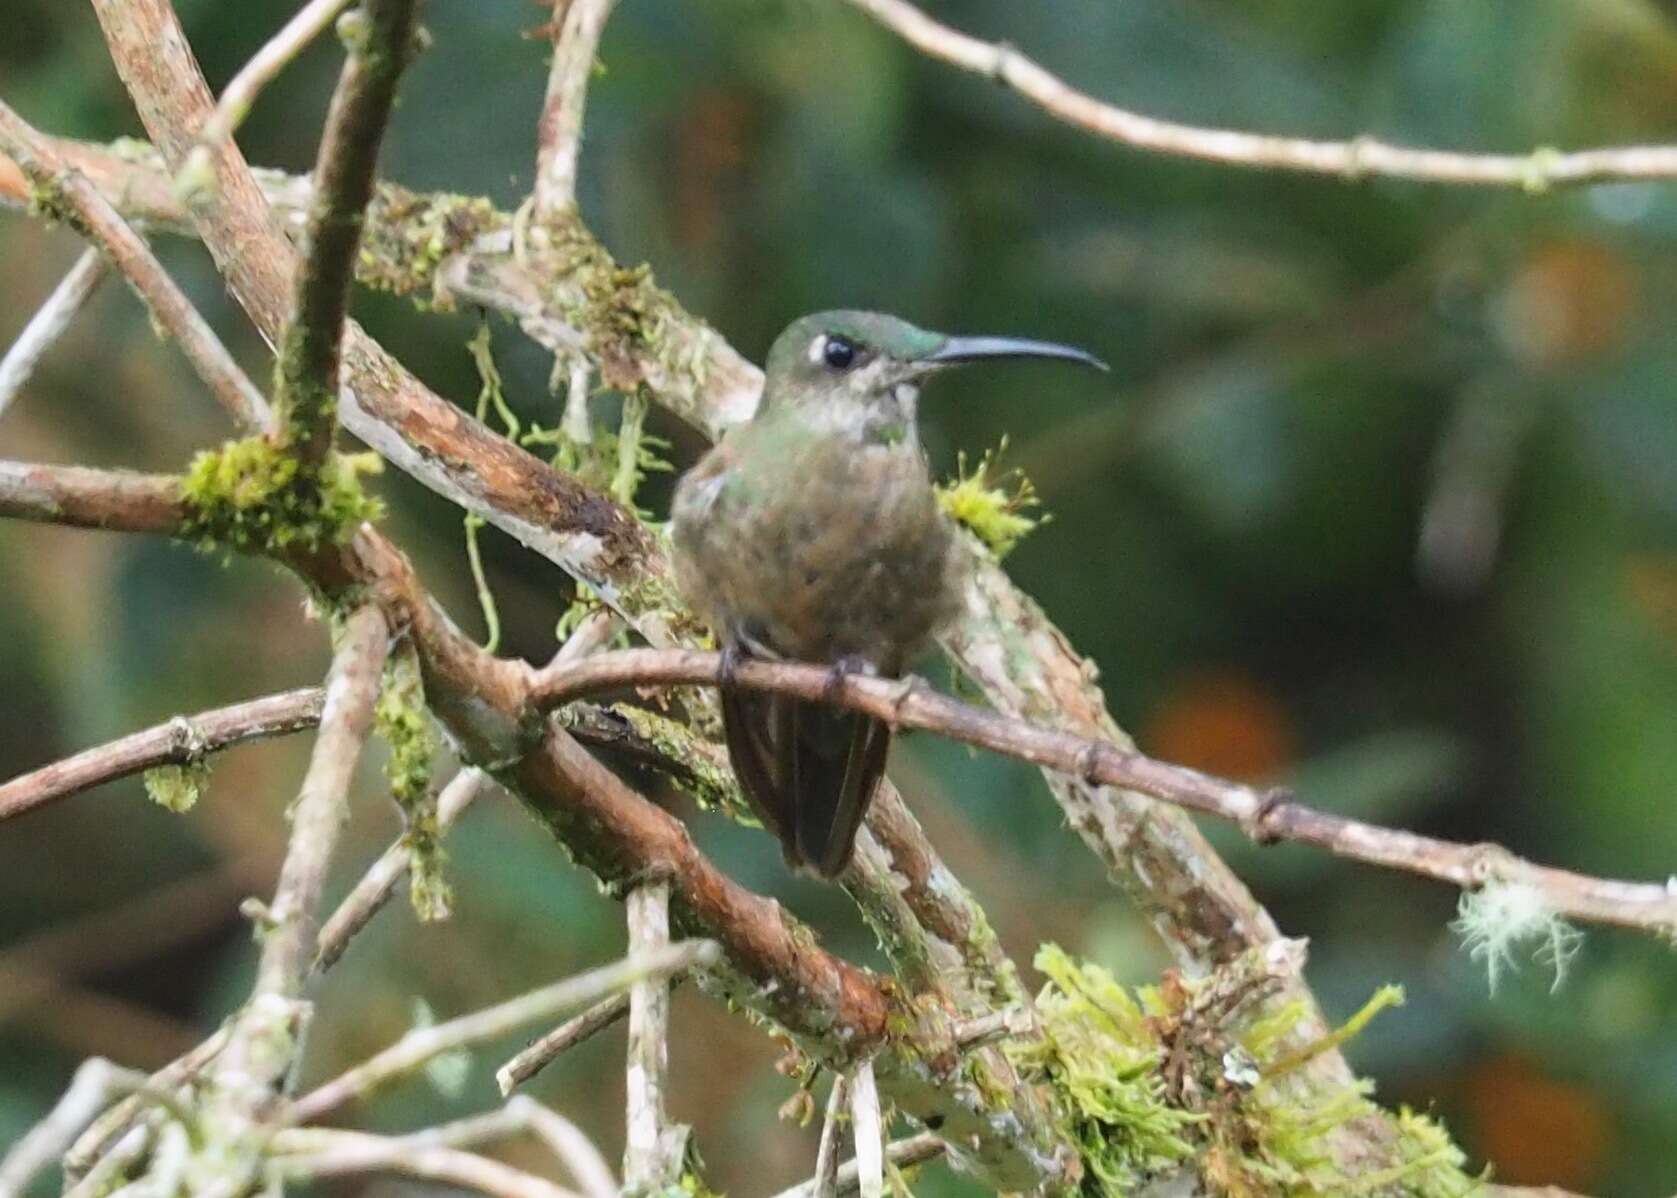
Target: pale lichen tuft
{"x": 1498, "y": 922}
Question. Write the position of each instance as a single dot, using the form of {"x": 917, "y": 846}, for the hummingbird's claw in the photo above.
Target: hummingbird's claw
{"x": 842, "y": 668}
{"x": 732, "y": 655}
{"x": 908, "y": 686}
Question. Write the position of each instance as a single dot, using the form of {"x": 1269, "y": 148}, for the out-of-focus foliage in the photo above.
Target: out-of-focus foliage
{"x": 1379, "y": 497}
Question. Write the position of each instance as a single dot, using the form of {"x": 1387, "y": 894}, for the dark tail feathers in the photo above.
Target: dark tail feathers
{"x": 809, "y": 771}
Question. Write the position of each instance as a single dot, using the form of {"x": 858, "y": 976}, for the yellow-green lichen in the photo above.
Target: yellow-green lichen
{"x": 251, "y": 496}
{"x": 994, "y": 505}
{"x": 406, "y": 728}
{"x": 178, "y": 788}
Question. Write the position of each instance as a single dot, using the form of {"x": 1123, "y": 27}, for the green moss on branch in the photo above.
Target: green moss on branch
{"x": 251, "y": 496}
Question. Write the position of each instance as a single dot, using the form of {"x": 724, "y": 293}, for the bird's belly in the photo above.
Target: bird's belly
{"x": 856, "y": 564}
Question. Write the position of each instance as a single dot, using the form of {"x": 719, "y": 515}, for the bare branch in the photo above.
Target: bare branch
{"x": 422, "y": 1044}
{"x": 64, "y": 190}
{"x": 97, "y": 1083}
{"x": 239, "y": 96}
{"x": 183, "y": 740}
{"x": 543, "y": 1051}
{"x": 50, "y": 322}
{"x": 1266, "y": 816}
{"x": 348, "y": 1152}
{"x": 520, "y": 1116}
{"x": 380, "y": 44}
{"x": 267, "y": 1033}
{"x": 559, "y": 136}
{"x": 869, "y": 1131}
{"x": 1358, "y": 158}
{"x": 83, "y": 498}
{"x": 110, "y": 1132}
{"x": 903, "y": 1154}
{"x": 376, "y": 886}
{"x": 652, "y": 1149}
{"x": 322, "y": 806}
{"x": 582, "y": 1160}
{"x": 825, "y": 1182}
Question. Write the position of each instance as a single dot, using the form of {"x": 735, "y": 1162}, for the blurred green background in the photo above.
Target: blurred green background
{"x": 1378, "y": 498}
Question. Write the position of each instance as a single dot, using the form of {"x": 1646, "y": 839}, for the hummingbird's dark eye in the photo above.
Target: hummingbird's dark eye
{"x": 838, "y": 352}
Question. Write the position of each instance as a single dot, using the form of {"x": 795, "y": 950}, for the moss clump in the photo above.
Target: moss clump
{"x": 407, "y": 235}
{"x": 251, "y": 496}
{"x": 405, "y": 726}
{"x": 1157, "y": 1077}
{"x": 991, "y": 503}
{"x": 178, "y": 788}
{"x": 1101, "y": 1053}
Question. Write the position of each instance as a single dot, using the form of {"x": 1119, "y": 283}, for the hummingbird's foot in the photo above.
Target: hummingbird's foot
{"x": 841, "y": 669}
{"x": 908, "y": 686}
{"x": 731, "y": 656}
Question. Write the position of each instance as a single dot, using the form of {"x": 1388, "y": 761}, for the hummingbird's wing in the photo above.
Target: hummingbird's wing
{"x": 749, "y": 724}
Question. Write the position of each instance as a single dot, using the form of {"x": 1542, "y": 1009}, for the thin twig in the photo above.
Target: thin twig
{"x": 111, "y": 1131}
{"x": 1358, "y": 158}
{"x": 346, "y": 1152}
{"x": 322, "y": 806}
{"x": 239, "y": 96}
{"x": 267, "y": 1032}
{"x": 543, "y": 1051}
{"x": 869, "y": 1131}
{"x": 97, "y": 1083}
{"x": 64, "y": 190}
{"x": 422, "y": 1044}
{"x": 50, "y": 322}
{"x": 184, "y": 740}
{"x": 903, "y": 1153}
{"x": 825, "y": 1182}
{"x": 380, "y": 44}
{"x": 652, "y": 1149}
{"x": 566, "y": 1141}
{"x": 1266, "y": 816}
{"x": 376, "y": 886}
{"x": 521, "y": 1116}
{"x": 107, "y": 1169}
{"x": 559, "y": 135}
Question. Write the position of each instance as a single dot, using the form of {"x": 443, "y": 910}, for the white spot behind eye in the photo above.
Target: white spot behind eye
{"x": 818, "y": 349}
{"x": 905, "y": 394}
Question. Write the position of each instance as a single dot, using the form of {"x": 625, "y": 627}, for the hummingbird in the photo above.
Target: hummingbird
{"x": 813, "y": 533}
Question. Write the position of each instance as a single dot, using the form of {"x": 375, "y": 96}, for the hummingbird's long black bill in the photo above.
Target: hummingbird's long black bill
{"x": 974, "y": 349}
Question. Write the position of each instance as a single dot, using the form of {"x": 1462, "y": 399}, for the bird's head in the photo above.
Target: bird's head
{"x": 860, "y": 372}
